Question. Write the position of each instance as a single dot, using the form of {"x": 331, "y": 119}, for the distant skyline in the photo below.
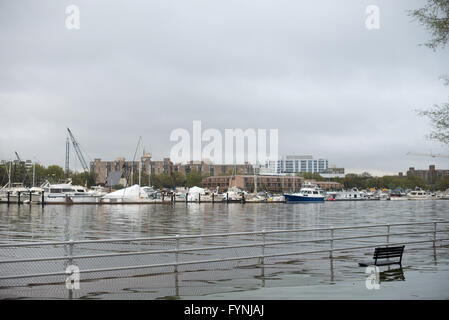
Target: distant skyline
{"x": 333, "y": 88}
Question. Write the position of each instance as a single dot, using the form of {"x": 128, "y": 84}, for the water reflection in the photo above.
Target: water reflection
{"x": 389, "y": 275}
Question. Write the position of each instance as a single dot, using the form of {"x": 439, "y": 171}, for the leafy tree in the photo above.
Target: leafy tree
{"x": 443, "y": 183}
{"x": 309, "y": 175}
{"x": 193, "y": 178}
{"x": 439, "y": 118}
{"x": 435, "y": 18}
{"x": 179, "y": 180}
{"x": 83, "y": 178}
{"x": 55, "y": 173}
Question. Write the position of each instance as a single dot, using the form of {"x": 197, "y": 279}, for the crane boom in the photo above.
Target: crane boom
{"x": 433, "y": 155}
{"x": 78, "y": 151}
{"x": 17, "y": 155}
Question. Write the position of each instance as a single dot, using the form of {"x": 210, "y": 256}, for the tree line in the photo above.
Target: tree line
{"x": 53, "y": 174}
{"x": 366, "y": 181}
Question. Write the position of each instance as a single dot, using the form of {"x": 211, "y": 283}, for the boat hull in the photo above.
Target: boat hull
{"x": 297, "y": 198}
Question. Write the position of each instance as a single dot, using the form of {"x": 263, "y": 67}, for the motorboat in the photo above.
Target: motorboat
{"x": 66, "y": 193}
{"x": 308, "y": 193}
{"x": 418, "y": 194}
{"x": 350, "y": 195}
{"x": 12, "y": 191}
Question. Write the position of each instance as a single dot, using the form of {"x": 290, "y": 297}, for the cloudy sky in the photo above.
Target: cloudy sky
{"x": 311, "y": 69}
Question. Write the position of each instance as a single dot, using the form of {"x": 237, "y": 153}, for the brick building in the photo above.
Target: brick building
{"x": 246, "y": 182}
{"x": 430, "y": 176}
{"x": 103, "y": 168}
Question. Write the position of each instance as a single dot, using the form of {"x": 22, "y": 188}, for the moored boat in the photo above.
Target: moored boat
{"x": 418, "y": 194}
{"x": 308, "y": 193}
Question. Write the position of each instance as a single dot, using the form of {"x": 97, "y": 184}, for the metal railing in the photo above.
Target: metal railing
{"x": 19, "y": 260}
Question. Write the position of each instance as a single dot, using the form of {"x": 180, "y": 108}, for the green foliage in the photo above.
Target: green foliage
{"x": 443, "y": 183}
{"x": 55, "y": 173}
{"x": 366, "y": 181}
{"x": 83, "y": 178}
{"x": 193, "y": 178}
{"x": 179, "y": 180}
{"x": 309, "y": 175}
{"x": 439, "y": 118}
{"x": 435, "y": 18}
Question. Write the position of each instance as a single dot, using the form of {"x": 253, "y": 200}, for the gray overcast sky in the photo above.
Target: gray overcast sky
{"x": 333, "y": 88}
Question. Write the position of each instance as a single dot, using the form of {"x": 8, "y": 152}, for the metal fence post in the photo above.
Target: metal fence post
{"x": 388, "y": 234}
{"x": 70, "y": 257}
{"x": 434, "y": 233}
{"x": 331, "y": 243}
{"x": 177, "y": 253}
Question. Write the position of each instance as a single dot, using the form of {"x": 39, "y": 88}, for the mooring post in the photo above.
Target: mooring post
{"x": 31, "y": 194}
{"x": 18, "y": 197}
{"x": 42, "y": 198}
{"x": 199, "y": 198}
{"x": 213, "y": 197}
{"x": 243, "y": 197}
{"x": 388, "y": 234}
{"x": 331, "y": 243}
{"x": 227, "y": 197}
{"x": 434, "y": 233}
{"x": 163, "y": 196}
{"x": 7, "y": 195}
{"x": 177, "y": 253}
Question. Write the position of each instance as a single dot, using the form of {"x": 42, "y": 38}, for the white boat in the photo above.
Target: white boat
{"x": 398, "y": 197}
{"x": 350, "y": 195}
{"x": 384, "y": 196}
{"x": 233, "y": 194}
{"x": 419, "y": 194}
{"x": 65, "y": 193}
{"x": 14, "y": 189}
{"x": 196, "y": 194}
{"x": 308, "y": 193}
{"x": 132, "y": 194}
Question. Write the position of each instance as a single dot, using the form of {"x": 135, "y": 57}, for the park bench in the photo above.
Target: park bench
{"x": 383, "y": 253}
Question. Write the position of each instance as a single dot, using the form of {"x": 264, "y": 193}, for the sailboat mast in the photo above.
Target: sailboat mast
{"x": 34, "y": 172}
{"x": 140, "y": 170}
{"x": 9, "y": 173}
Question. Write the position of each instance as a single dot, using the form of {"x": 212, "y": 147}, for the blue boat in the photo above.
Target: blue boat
{"x": 308, "y": 193}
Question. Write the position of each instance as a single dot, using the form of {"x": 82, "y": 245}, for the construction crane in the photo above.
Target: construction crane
{"x": 18, "y": 158}
{"x": 433, "y": 155}
{"x": 77, "y": 148}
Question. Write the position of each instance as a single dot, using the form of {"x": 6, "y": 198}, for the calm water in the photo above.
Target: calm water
{"x": 424, "y": 274}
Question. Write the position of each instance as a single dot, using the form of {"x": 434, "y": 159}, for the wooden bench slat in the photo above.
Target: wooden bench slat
{"x": 384, "y": 254}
